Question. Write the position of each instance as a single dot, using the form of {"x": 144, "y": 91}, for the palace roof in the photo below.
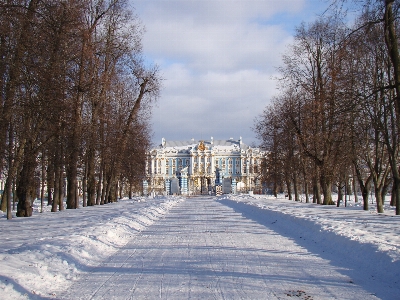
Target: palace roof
{"x": 215, "y": 145}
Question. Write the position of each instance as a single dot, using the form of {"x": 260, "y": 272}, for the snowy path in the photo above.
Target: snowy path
{"x": 205, "y": 249}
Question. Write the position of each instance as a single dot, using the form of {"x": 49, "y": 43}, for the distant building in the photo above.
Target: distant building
{"x": 194, "y": 167}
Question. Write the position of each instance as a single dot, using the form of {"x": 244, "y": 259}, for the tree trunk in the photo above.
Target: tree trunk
{"x": 365, "y": 195}
{"x": 98, "y": 193}
{"x": 130, "y": 190}
{"x": 316, "y": 188}
{"x": 378, "y": 197}
{"x": 91, "y": 183}
{"x": 61, "y": 191}
{"x": 13, "y": 161}
{"x": 275, "y": 189}
{"x": 104, "y": 189}
{"x": 26, "y": 186}
{"x": 57, "y": 175}
{"x": 72, "y": 157}
{"x": 4, "y": 200}
{"x": 396, "y": 192}
{"x": 76, "y": 195}
{"x": 43, "y": 179}
{"x": 385, "y": 189}
{"x": 114, "y": 194}
{"x": 364, "y": 187}
{"x": 327, "y": 190}
{"x": 8, "y": 193}
{"x": 120, "y": 191}
{"x": 8, "y": 189}
{"x": 71, "y": 186}
{"x": 393, "y": 51}
{"x": 108, "y": 192}
{"x": 355, "y": 188}
{"x": 14, "y": 194}
{"x": 289, "y": 187}
{"x": 340, "y": 194}
{"x": 306, "y": 191}
{"x": 296, "y": 188}
{"x": 396, "y": 184}
{"x": 84, "y": 201}
{"x": 50, "y": 181}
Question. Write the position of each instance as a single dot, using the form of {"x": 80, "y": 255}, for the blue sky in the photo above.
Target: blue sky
{"x": 218, "y": 59}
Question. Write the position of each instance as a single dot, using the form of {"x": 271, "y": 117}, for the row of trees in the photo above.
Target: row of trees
{"x": 75, "y": 95}
{"x": 337, "y": 115}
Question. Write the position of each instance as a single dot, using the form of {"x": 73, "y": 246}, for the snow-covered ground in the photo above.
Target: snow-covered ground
{"x": 233, "y": 246}
{"x": 43, "y": 255}
{"x": 368, "y": 227}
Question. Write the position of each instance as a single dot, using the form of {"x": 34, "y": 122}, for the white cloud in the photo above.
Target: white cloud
{"x": 217, "y": 58}
{"x": 214, "y": 103}
{"x": 223, "y": 11}
{"x": 215, "y": 45}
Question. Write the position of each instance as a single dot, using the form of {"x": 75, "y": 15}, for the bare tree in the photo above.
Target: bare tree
{"x": 73, "y": 90}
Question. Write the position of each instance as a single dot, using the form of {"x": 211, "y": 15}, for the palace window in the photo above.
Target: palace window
{"x": 179, "y": 164}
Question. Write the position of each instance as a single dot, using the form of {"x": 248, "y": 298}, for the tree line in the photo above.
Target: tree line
{"x": 337, "y": 113}
{"x": 75, "y": 99}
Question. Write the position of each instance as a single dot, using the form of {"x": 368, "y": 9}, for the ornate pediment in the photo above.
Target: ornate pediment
{"x": 201, "y": 146}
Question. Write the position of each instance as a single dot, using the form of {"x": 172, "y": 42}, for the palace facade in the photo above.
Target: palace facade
{"x": 203, "y": 167}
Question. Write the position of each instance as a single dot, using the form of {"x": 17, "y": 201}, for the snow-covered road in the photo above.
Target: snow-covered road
{"x": 205, "y": 248}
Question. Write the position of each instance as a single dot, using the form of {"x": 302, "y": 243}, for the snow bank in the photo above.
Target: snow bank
{"x": 361, "y": 244}
{"x": 369, "y": 227}
{"x": 42, "y": 255}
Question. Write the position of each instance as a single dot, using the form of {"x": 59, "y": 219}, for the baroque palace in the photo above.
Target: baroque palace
{"x": 203, "y": 167}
